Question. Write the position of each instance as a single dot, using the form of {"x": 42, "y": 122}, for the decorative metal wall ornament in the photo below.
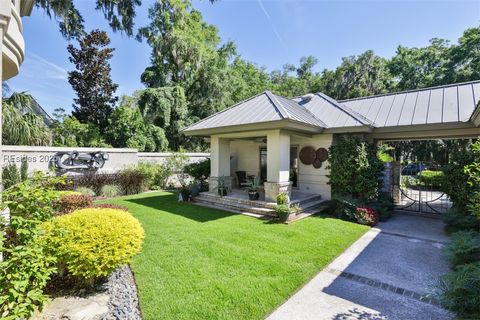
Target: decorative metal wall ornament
{"x": 317, "y": 164}
{"x": 76, "y": 161}
{"x": 309, "y": 156}
{"x": 322, "y": 154}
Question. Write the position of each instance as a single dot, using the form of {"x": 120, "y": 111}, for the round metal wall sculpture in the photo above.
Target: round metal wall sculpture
{"x": 309, "y": 156}
{"x": 76, "y": 161}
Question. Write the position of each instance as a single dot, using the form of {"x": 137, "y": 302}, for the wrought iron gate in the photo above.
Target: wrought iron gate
{"x": 419, "y": 189}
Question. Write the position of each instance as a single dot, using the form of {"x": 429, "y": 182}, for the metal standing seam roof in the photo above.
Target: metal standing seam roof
{"x": 332, "y": 113}
{"x": 264, "y": 107}
{"x": 442, "y": 104}
{"x": 435, "y": 105}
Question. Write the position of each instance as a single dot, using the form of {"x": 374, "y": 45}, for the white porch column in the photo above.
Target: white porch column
{"x": 219, "y": 162}
{"x": 278, "y": 165}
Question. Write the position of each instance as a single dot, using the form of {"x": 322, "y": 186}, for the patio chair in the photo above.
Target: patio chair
{"x": 241, "y": 177}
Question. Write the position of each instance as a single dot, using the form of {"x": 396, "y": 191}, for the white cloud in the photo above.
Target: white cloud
{"x": 39, "y": 67}
{"x": 267, "y": 15}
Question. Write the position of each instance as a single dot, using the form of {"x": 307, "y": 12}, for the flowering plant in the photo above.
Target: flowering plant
{"x": 366, "y": 216}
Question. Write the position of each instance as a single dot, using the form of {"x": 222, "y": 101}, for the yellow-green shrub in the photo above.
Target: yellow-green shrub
{"x": 91, "y": 243}
{"x": 62, "y": 193}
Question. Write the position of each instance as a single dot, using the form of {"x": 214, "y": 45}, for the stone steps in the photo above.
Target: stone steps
{"x": 308, "y": 205}
{"x": 237, "y": 206}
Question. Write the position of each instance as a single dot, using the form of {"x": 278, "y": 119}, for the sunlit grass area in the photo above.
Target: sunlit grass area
{"x": 201, "y": 263}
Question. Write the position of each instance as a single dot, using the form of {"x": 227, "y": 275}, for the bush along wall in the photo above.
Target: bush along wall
{"x": 44, "y": 238}
{"x": 356, "y": 180}
{"x": 459, "y": 290}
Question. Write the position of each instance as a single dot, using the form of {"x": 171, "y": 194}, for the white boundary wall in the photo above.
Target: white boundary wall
{"x": 38, "y": 158}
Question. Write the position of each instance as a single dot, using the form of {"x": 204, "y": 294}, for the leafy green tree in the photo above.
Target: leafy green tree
{"x": 420, "y": 67}
{"x": 362, "y": 75}
{"x": 69, "y": 132}
{"x": 165, "y": 108}
{"x": 119, "y": 14}
{"x": 91, "y": 80}
{"x": 246, "y": 80}
{"x": 128, "y": 129}
{"x": 186, "y": 53}
{"x": 20, "y": 125}
{"x": 294, "y": 81}
{"x": 464, "y": 58}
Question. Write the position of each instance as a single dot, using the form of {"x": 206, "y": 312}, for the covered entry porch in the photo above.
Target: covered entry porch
{"x": 271, "y": 157}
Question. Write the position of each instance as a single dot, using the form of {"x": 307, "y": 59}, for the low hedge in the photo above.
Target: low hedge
{"x": 70, "y": 203}
{"x": 109, "y": 206}
{"x": 431, "y": 178}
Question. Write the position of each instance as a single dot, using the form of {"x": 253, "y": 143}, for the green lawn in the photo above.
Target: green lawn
{"x": 200, "y": 263}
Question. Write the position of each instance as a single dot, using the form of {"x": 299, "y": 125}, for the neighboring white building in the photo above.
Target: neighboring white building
{"x": 13, "y": 44}
{"x": 267, "y": 135}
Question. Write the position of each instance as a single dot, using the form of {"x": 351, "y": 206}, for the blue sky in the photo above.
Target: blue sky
{"x": 270, "y": 33}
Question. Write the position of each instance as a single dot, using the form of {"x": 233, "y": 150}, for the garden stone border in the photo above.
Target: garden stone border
{"x": 122, "y": 290}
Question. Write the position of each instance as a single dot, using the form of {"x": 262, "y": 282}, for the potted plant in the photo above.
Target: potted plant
{"x": 282, "y": 211}
{"x": 222, "y": 187}
{"x": 252, "y": 187}
{"x": 185, "y": 193}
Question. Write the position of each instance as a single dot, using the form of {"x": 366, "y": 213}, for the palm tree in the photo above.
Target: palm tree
{"x": 20, "y": 125}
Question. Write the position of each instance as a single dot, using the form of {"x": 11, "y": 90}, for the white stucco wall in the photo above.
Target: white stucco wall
{"x": 39, "y": 157}
{"x": 161, "y": 157}
{"x": 313, "y": 180}
{"x": 245, "y": 156}
{"x": 119, "y": 158}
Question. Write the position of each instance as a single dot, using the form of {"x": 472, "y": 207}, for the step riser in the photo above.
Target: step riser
{"x": 313, "y": 208}
{"x": 235, "y": 207}
{"x": 302, "y": 203}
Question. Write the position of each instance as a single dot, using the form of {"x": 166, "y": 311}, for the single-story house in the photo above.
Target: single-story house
{"x": 283, "y": 141}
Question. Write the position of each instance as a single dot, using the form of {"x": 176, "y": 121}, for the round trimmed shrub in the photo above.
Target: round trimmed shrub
{"x": 86, "y": 191}
{"x": 110, "y": 191}
{"x": 91, "y": 243}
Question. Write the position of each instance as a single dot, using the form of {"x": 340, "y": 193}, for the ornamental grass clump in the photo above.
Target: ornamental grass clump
{"x": 86, "y": 191}
{"x": 91, "y": 243}
{"x": 110, "y": 191}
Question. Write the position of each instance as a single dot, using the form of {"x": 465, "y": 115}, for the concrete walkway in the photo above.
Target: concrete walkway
{"x": 386, "y": 274}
